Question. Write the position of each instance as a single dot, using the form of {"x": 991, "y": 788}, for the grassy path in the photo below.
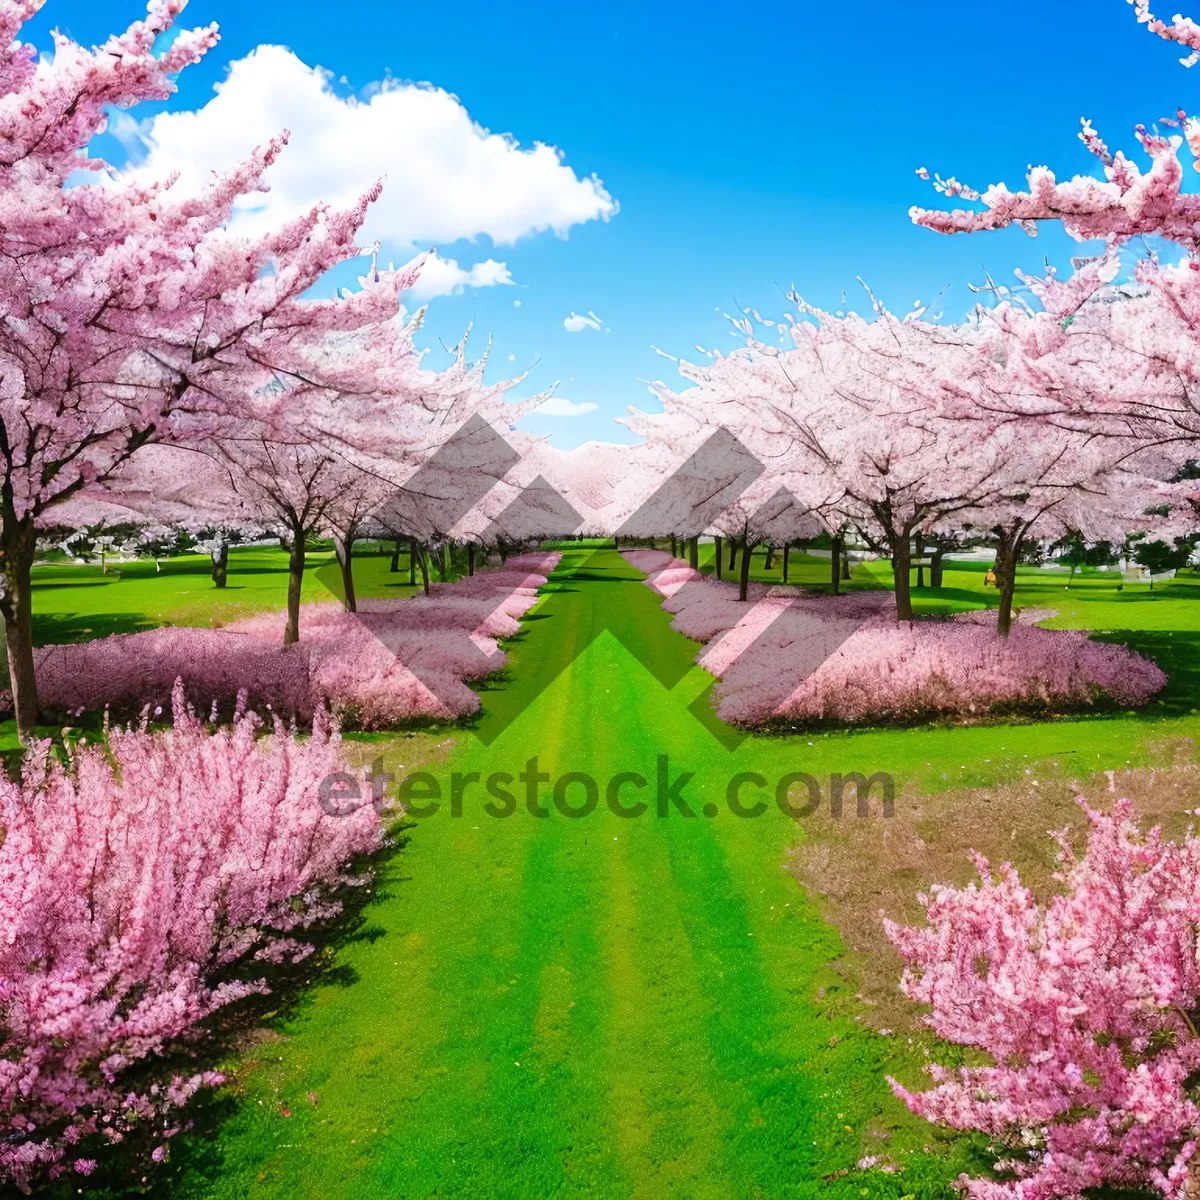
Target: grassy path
{"x": 557, "y": 1007}
{"x": 650, "y": 1007}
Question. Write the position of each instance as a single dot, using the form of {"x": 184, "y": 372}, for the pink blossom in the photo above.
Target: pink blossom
{"x": 391, "y": 661}
{"x": 132, "y": 315}
{"x": 1127, "y": 203}
{"x": 131, "y": 880}
{"x": 845, "y": 658}
{"x": 1079, "y": 1004}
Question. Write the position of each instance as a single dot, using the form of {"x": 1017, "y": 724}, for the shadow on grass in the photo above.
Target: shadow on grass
{"x": 231, "y": 1036}
{"x": 614, "y": 576}
{"x": 50, "y": 629}
{"x": 1177, "y": 652}
{"x": 953, "y": 595}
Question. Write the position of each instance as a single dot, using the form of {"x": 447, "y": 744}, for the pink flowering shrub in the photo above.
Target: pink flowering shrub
{"x": 1082, "y": 1005}
{"x": 846, "y": 659}
{"x": 128, "y": 671}
{"x": 392, "y": 661}
{"x": 135, "y": 883}
{"x": 666, "y": 575}
{"x": 410, "y": 659}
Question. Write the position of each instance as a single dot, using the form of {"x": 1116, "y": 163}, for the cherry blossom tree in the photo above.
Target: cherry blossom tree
{"x": 423, "y": 445}
{"x": 287, "y": 487}
{"x": 349, "y": 428}
{"x": 1102, "y": 505}
{"x": 859, "y": 421}
{"x": 1081, "y": 1003}
{"x": 707, "y": 467}
{"x": 1096, "y": 381}
{"x": 1126, "y": 203}
{"x": 1067, "y": 483}
{"x": 1118, "y": 361}
{"x": 131, "y": 315}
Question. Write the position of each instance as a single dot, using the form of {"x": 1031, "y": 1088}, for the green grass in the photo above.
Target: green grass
{"x": 553, "y": 1007}
{"x": 597, "y": 1006}
{"x": 73, "y": 602}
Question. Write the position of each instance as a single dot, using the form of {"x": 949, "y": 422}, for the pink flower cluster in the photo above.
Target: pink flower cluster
{"x": 846, "y": 658}
{"x": 391, "y": 661}
{"x": 1081, "y": 1005}
{"x": 131, "y": 882}
{"x": 130, "y": 670}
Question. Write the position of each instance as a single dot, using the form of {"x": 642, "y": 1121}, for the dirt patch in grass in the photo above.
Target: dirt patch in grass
{"x": 400, "y": 753}
{"x": 860, "y": 869}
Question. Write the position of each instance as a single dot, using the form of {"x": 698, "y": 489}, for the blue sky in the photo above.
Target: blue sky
{"x": 749, "y": 148}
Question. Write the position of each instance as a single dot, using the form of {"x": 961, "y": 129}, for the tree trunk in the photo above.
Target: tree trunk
{"x": 394, "y": 565}
{"x": 694, "y": 553}
{"x": 733, "y": 554}
{"x": 674, "y": 547}
{"x": 717, "y": 558}
{"x": 902, "y": 574}
{"x": 470, "y": 558}
{"x": 835, "y": 564}
{"x": 786, "y": 546}
{"x": 291, "y": 631}
{"x": 344, "y": 546}
{"x": 17, "y": 545}
{"x": 921, "y": 568}
{"x": 935, "y": 568}
{"x": 770, "y": 557}
{"x": 220, "y": 565}
{"x": 1006, "y": 582}
{"x": 744, "y": 578}
{"x": 423, "y": 563}
{"x": 413, "y": 555}
{"x": 845, "y": 564}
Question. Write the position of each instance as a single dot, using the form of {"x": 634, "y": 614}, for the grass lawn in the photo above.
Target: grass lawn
{"x": 544, "y": 1006}
{"x": 74, "y": 602}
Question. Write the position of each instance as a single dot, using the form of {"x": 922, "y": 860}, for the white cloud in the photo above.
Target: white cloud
{"x": 516, "y": 304}
{"x": 446, "y": 177}
{"x": 444, "y": 277}
{"x": 512, "y": 358}
{"x": 577, "y": 324}
{"x": 556, "y": 406}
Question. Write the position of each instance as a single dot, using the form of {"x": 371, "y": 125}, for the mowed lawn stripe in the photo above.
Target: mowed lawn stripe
{"x": 667, "y": 1034}
{"x": 371, "y": 1048}
{"x": 671, "y": 1125}
{"x": 522, "y": 1109}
